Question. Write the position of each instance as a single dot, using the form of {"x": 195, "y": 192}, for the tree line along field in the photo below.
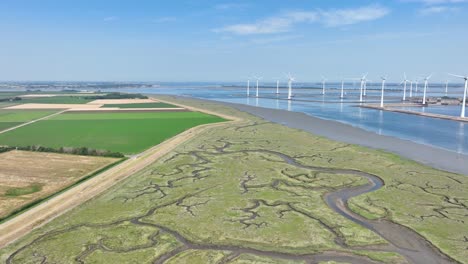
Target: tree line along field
{"x": 11, "y": 118}
{"x": 124, "y": 132}
{"x": 246, "y": 193}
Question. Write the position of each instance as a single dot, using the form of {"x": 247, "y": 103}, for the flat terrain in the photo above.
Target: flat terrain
{"x": 118, "y": 132}
{"x": 259, "y": 192}
{"x": 72, "y": 99}
{"x": 11, "y": 118}
{"x": 142, "y": 105}
{"x": 28, "y": 176}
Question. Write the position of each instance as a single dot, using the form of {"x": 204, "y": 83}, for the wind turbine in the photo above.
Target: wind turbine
{"x": 446, "y": 87}
{"x": 277, "y": 86}
{"x": 290, "y": 81}
{"x": 417, "y": 82}
{"x": 363, "y": 81}
{"x": 425, "y": 88}
{"x": 464, "y": 93}
{"x": 323, "y": 84}
{"x": 411, "y": 89}
{"x": 384, "y": 79}
{"x": 258, "y": 79}
{"x": 342, "y": 88}
{"x": 248, "y": 87}
{"x": 405, "y": 81}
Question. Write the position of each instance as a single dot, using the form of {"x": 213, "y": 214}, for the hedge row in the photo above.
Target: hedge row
{"x": 84, "y": 151}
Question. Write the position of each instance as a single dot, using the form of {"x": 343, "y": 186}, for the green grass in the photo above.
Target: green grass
{"x": 58, "y": 100}
{"x": 13, "y": 192}
{"x": 142, "y": 105}
{"x": 118, "y": 132}
{"x": 10, "y": 118}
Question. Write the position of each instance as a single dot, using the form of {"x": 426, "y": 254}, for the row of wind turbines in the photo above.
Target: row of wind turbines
{"x": 363, "y": 88}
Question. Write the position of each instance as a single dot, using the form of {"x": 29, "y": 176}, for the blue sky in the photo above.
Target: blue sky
{"x": 201, "y": 40}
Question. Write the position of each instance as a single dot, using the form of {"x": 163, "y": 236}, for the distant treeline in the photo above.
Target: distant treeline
{"x": 9, "y": 99}
{"x": 84, "y": 151}
{"x": 117, "y": 96}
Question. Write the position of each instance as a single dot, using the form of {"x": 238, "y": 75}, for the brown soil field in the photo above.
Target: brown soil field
{"x": 43, "y": 173}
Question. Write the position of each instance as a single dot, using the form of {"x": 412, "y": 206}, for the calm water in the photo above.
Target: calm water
{"x": 446, "y": 134}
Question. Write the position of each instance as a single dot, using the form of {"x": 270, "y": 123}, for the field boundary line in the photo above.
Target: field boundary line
{"x": 32, "y": 121}
{"x": 22, "y": 224}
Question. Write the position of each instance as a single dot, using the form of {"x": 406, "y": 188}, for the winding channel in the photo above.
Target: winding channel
{"x": 403, "y": 240}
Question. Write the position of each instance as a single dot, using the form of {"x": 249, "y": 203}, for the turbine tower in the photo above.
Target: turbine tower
{"x": 248, "y": 87}
{"x": 411, "y": 89}
{"x": 342, "y": 88}
{"x": 446, "y": 87}
{"x": 405, "y": 81}
{"x": 384, "y": 79}
{"x": 425, "y": 88}
{"x": 464, "y": 93}
{"x": 277, "y": 86}
{"x": 323, "y": 84}
{"x": 258, "y": 79}
{"x": 290, "y": 81}
{"x": 363, "y": 81}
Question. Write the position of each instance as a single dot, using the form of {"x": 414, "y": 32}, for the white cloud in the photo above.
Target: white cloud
{"x": 275, "y": 39}
{"x": 437, "y": 2}
{"x": 436, "y": 10}
{"x": 110, "y": 18}
{"x": 285, "y": 21}
{"x": 353, "y": 16}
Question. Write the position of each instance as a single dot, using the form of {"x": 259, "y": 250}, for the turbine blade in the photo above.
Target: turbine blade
{"x": 454, "y": 75}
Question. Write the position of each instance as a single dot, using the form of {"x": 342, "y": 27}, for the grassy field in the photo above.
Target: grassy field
{"x": 118, "y": 132}
{"x": 11, "y": 118}
{"x": 231, "y": 188}
{"x": 142, "y": 105}
{"x": 28, "y": 176}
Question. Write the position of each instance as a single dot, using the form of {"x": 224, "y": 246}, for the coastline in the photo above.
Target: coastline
{"x": 428, "y": 155}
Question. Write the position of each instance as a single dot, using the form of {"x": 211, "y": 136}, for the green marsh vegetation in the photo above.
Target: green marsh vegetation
{"x": 231, "y": 189}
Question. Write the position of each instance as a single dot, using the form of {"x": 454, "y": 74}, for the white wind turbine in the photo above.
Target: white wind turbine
{"x": 324, "y": 80}
{"x": 258, "y": 79}
{"x": 384, "y": 79}
{"x": 277, "y": 87}
{"x": 363, "y": 82}
{"x": 425, "y": 88}
{"x": 342, "y": 88}
{"x": 248, "y": 87}
{"x": 464, "y": 93}
{"x": 446, "y": 87}
{"x": 411, "y": 89}
{"x": 405, "y": 81}
{"x": 290, "y": 81}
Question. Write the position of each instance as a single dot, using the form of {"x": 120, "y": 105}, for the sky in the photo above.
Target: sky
{"x": 208, "y": 40}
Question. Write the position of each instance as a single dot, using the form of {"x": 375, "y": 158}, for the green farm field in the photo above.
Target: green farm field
{"x": 127, "y": 133}
{"x": 142, "y": 105}
{"x": 11, "y": 118}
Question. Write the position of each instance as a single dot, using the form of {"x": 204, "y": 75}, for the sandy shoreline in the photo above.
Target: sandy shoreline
{"x": 425, "y": 154}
